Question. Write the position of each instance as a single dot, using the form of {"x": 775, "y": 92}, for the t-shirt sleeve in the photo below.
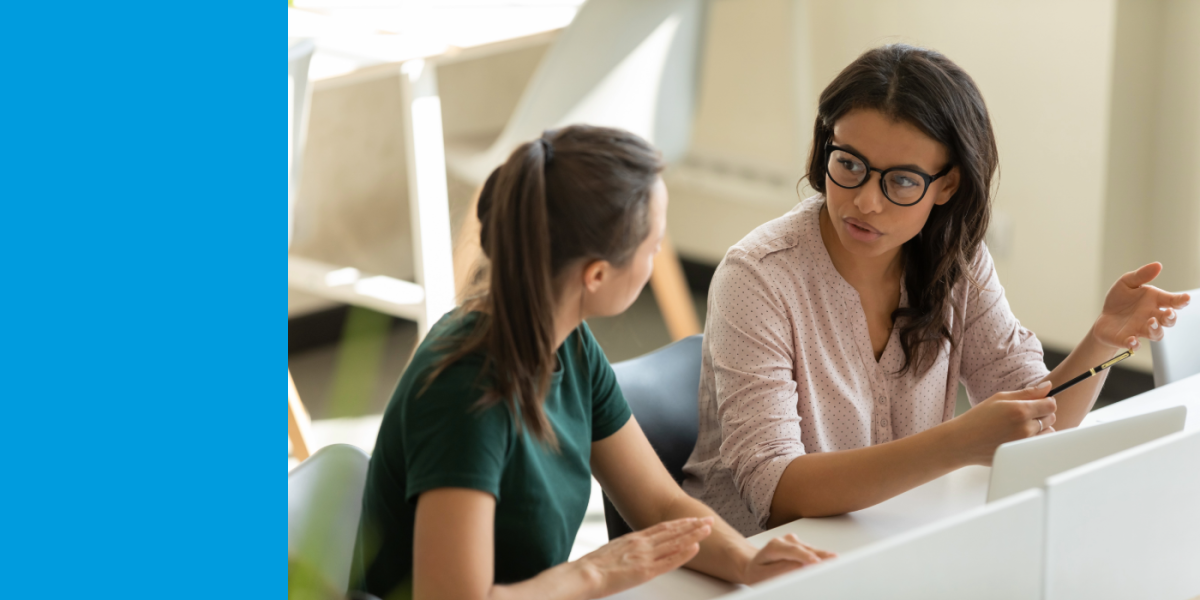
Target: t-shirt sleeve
{"x": 449, "y": 442}
{"x": 998, "y": 353}
{"x": 610, "y": 411}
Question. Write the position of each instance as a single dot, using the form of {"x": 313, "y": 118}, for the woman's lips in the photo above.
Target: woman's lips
{"x": 861, "y": 231}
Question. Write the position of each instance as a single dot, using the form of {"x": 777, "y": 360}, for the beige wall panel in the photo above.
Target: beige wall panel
{"x": 1136, "y": 85}
{"x": 745, "y": 115}
{"x": 1175, "y": 217}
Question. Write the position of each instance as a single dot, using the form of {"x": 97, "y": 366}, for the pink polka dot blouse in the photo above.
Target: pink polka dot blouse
{"x": 788, "y": 366}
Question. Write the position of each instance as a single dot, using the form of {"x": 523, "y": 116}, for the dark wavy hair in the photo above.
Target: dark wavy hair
{"x": 577, "y": 193}
{"x": 924, "y": 88}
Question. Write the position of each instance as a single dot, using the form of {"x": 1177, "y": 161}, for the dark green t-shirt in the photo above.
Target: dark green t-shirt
{"x": 440, "y": 439}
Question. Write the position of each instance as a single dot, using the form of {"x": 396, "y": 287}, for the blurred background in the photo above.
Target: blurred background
{"x": 396, "y": 107}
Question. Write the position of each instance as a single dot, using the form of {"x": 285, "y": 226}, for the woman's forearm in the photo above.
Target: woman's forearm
{"x": 568, "y": 581}
{"x": 725, "y": 553}
{"x": 1074, "y": 404}
{"x": 833, "y": 483}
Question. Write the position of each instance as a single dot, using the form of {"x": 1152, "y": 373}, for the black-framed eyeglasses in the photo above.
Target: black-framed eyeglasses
{"x": 901, "y": 186}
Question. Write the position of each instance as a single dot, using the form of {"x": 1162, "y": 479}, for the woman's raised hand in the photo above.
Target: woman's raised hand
{"x": 1005, "y": 417}
{"x": 1134, "y": 309}
{"x": 640, "y": 556}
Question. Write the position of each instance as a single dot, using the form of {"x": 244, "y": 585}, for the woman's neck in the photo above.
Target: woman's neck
{"x": 858, "y": 270}
{"x": 568, "y": 315}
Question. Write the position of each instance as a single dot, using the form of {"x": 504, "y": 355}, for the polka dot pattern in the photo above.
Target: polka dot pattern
{"x": 788, "y": 366}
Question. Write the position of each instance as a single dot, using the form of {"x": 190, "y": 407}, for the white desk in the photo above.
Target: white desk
{"x": 942, "y": 498}
{"x": 947, "y": 496}
{"x": 1185, "y": 392}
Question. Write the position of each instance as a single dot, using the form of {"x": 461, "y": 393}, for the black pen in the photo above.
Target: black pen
{"x": 1112, "y": 361}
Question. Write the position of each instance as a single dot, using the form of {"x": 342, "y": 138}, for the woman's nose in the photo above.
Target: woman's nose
{"x": 870, "y": 198}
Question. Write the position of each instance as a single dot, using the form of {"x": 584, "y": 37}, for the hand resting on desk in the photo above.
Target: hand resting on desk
{"x": 638, "y": 557}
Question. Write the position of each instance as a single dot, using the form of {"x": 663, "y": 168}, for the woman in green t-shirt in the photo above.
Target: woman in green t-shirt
{"x": 482, "y": 469}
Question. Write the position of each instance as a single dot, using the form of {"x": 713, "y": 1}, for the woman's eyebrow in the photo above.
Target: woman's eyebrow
{"x": 833, "y": 140}
{"x": 910, "y": 167}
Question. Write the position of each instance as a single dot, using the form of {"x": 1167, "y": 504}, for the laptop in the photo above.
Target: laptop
{"x": 1025, "y": 464}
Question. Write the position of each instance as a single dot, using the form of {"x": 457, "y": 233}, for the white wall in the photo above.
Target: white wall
{"x": 747, "y": 140}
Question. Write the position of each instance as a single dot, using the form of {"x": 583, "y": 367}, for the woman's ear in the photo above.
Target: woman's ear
{"x": 594, "y": 275}
{"x": 949, "y": 186}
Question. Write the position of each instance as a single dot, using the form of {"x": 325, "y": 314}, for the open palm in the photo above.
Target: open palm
{"x": 1135, "y": 309}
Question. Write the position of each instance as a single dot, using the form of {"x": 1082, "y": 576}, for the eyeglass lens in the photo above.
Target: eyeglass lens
{"x": 900, "y": 186}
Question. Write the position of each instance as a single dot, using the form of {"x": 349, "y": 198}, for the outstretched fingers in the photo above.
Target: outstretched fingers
{"x": 1180, "y": 300}
{"x": 669, "y": 530}
{"x": 1142, "y": 276}
{"x": 682, "y": 542}
{"x": 1155, "y": 332}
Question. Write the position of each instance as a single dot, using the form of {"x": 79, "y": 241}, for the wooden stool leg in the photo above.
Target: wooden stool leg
{"x": 298, "y": 422}
{"x": 672, "y": 293}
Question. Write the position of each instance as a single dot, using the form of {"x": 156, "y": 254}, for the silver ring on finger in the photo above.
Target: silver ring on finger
{"x": 1041, "y": 426}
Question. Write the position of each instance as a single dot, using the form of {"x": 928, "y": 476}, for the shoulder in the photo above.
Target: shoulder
{"x": 793, "y": 236}
{"x": 980, "y": 277}
{"x": 581, "y": 345}
{"x": 781, "y": 233}
{"x": 584, "y": 354}
{"x": 430, "y": 384}
{"x": 443, "y": 340}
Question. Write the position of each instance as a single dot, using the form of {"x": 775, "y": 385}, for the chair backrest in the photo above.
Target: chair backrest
{"x": 1177, "y": 356}
{"x": 661, "y": 389}
{"x": 324, "y": 505}
{"x": 632, "y": 64}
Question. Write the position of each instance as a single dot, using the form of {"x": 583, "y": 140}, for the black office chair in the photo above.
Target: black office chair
{"x": 661, "y": 388}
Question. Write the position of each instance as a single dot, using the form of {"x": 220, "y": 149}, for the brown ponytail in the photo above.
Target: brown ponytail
{"x": 579, "y": 193}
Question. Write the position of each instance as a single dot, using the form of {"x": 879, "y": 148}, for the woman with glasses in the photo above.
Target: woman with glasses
{"x": 838, "y": 333}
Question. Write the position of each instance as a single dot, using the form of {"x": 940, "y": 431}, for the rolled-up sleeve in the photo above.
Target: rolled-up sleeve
{"x": 753, "y": 360}
{"x": 998, "y": 353}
